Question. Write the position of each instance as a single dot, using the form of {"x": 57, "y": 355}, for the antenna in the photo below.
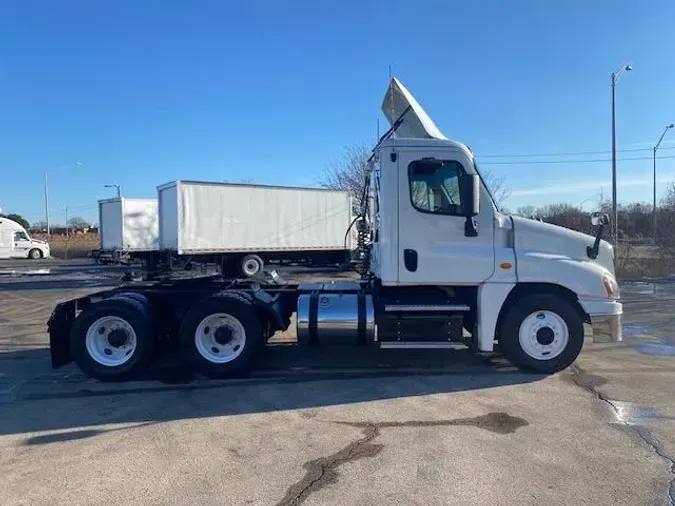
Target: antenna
{"x": 378, "y": 129}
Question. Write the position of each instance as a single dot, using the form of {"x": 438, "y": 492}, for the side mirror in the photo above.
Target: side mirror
{"x": 471, "y": 195}
{"x": 598, "y": 219}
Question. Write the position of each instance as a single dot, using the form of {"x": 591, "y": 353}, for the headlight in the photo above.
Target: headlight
{"x": 611, "y": 286}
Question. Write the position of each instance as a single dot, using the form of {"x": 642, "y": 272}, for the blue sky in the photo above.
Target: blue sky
{"x": 144, "y": 92}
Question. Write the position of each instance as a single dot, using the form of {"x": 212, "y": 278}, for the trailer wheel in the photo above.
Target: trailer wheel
{"x": 113, "y": 340}
{"x": 223, "y": 336}
{"x": 543, "y": 333}
{"x": 252, "y": 265}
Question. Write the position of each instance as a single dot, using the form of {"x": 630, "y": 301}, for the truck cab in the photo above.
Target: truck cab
{"x": 434, "y": 223}
{"x": 15, "y": 242}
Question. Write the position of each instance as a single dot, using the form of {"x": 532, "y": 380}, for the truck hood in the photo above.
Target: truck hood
{"x": 539, "y": 237}
{"x": 399, "y": 106}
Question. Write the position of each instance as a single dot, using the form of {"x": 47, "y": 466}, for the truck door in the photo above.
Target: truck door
{"x": 22, "y": 245}
{"x": 434, "y": 246}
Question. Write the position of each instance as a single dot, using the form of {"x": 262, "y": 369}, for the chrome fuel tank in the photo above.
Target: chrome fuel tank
{"x": 335, "y": 319}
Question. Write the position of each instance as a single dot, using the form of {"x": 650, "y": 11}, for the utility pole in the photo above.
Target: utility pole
{"x": 656, "y": 147}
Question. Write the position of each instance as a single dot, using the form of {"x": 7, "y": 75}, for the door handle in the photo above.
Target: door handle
{"x": 410, "y": 259}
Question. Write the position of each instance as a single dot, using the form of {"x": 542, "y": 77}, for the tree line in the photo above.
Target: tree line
{"x": 76, "y": 222}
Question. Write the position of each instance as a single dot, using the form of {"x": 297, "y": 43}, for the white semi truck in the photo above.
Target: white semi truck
{"x": 442, "y": 266}
{"x": 15, "y": 242}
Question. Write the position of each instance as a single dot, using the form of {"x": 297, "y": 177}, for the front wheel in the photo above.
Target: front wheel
{"x": 35, "y": 254}
{"x": 543, "y": 333}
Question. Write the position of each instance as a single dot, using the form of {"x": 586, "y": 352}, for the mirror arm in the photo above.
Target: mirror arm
{"x": 592, "y": 251}
{"x": 470, "y": 227}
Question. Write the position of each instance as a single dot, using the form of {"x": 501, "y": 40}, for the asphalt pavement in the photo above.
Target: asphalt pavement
{"x": 336, "y": 426}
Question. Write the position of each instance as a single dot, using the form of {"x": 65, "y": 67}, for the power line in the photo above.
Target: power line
{"x": 596, "y": 160}
{"x": 573, "y": 153}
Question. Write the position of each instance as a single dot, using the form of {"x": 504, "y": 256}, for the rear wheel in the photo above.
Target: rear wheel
{"x": 223, "y": 336}
{"x": 113, "y": 340}
{"x": 543, "y": 333}
{"x": 252, "y": 265}
{"x": 35, "y": 254}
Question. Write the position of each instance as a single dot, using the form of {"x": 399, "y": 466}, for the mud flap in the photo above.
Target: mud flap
{"x": 59, "y": 326}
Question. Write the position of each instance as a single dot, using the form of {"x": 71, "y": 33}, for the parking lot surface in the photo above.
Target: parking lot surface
{"x": 341, "y": 427}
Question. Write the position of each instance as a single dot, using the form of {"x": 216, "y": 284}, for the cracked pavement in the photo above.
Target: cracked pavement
{"x": 381, "y": 428}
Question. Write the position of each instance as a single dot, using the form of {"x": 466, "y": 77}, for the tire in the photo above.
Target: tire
{"x": 35, "y": 254}
{"x": 543, "y": 333}
{"x": 252, "y": 265}
{"x": 234, "y": 354}
{"x": 88, "y": 347}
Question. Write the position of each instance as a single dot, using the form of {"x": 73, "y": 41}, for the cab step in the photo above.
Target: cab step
{"x": 425, "y": 308}
{"x": 421, "y": 345}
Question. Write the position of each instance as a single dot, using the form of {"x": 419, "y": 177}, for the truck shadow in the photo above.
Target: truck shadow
{"x": 287, "y": 379}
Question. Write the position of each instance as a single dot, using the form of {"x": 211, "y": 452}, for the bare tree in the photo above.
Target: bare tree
{"x": 78, "y": 222}
{"x": 496, "y": 184}
{"x": 527, "y": 211}
{"x": 348, "y": 173}
{"x": 39, "y": 226}
{"x": 668, "y": 201}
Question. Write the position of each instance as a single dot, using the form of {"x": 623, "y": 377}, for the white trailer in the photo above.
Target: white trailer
{"x": 245, "y": 225}
{"x": 128, "y": 228}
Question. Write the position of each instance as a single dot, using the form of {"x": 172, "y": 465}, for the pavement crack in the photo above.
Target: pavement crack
{"x": 321, "y": 472}
{"x": 588, "y": 383}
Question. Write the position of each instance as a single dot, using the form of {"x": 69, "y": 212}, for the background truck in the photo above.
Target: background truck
{"x": 443, "y": 267}
{"x": 129, "y": 229}
{"x": 16, "y": 243}
{"x": 243, "y": 226}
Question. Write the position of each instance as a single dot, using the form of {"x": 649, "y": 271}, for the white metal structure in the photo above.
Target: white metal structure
{"x": 128, "y": 224}
{"x": 15, "y": 242}
{"x": 203, "y": 218}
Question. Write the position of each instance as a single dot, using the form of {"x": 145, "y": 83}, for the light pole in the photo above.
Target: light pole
{"x": 665, "y": 130}
{"x": 615, "y": 213}
{"x": 119, "y": 189}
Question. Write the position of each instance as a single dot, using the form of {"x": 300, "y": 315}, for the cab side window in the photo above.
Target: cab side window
{"x": 20, "y": 236}
{"x": 435, "y": 186}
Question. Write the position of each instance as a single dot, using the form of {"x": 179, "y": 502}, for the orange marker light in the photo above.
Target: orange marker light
{"x": 505, "y": 265}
